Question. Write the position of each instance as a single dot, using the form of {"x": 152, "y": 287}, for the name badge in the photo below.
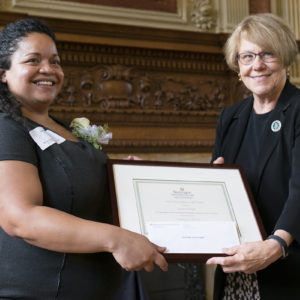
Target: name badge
{"x": 45, "y": 138}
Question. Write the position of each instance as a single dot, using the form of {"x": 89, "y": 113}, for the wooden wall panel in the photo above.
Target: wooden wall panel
{"x": 259, "y": 6}
{"x": 161, "y": 5}
{"x": 154, "y": 99}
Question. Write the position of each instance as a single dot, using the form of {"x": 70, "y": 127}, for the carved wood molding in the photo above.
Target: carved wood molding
{"x": 146, "y": 146}
{"x": 119, "y": 87}
{"x": 91, "y": 54}
{"x": 125, "y": 35}
{"x": 154, "y": 100}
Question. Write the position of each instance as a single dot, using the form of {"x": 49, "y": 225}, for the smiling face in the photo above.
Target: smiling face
{"x": 264, "y": 79}
{"x": 35, "y": 76}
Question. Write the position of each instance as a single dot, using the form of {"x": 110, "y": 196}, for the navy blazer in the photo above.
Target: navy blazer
{"x": 277, "y": 189}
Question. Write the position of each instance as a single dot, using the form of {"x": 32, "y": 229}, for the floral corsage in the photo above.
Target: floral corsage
{"x": 96, "y": 135}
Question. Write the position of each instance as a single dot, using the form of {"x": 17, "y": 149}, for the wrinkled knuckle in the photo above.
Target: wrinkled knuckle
{"x": 227, "y": 262}
{"x": 224, "y": 263}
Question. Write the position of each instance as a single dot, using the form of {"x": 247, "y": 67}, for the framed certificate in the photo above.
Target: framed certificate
{"x": 194, "y": 210}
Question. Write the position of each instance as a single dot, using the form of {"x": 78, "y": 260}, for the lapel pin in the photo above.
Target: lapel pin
{"x": 276, "y": 126}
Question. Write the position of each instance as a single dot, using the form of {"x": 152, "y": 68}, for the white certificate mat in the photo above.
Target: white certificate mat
{"x": 194, "y": 210}
{"x": 193, "y": 237}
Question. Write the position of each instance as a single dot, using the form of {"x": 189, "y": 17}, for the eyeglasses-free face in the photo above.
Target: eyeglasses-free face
{"x": 247, "y": 58}
{"x": 35, "y": 77}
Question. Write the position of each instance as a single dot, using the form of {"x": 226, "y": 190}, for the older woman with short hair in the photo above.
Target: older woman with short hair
{"x": 262, "y": 133}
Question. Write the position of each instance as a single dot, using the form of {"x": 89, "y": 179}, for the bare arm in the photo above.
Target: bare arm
{"x": 22, "y": 215}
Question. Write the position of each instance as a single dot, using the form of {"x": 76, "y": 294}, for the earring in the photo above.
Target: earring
{"x": 288, "y": 73}
{"x": 239, "y": 76}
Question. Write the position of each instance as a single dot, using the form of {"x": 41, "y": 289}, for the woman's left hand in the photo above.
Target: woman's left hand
{"x": 248, "y": 257}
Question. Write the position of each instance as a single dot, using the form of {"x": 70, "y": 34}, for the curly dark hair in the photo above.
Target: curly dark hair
{"x": 10, "y": 36}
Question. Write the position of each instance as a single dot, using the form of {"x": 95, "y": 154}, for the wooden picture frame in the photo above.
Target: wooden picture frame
{"x": 193, "y": 209}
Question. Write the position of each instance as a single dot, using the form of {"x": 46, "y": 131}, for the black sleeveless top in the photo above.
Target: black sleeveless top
{"x": 74, "y": 180}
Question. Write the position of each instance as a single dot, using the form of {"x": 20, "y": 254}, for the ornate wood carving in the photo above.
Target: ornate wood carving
{"x": 154, "y": 100}
{"x": 146, "y": 89}
{"x": 203, "y": 15}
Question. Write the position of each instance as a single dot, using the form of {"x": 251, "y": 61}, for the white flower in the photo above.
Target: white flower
{"x": 80, "y": 123}
{"x": 94, "y": 134}
{"x": 105, "y": 139}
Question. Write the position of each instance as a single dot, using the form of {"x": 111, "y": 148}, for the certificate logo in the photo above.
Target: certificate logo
{"x": 181, "y": 193}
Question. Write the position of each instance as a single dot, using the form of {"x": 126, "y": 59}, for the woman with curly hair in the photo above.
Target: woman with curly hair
{"x": 56, "y": 237}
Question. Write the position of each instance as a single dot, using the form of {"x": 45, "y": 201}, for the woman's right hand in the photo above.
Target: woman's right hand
{"x": 134, "y": 252}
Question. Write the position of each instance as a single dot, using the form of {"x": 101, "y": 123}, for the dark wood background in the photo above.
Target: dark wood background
{"x": 159, "y": 90}
{"x": 155, "y": 5}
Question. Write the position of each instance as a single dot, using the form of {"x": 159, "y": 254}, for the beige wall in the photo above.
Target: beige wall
{"x": 191, "y": 15}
